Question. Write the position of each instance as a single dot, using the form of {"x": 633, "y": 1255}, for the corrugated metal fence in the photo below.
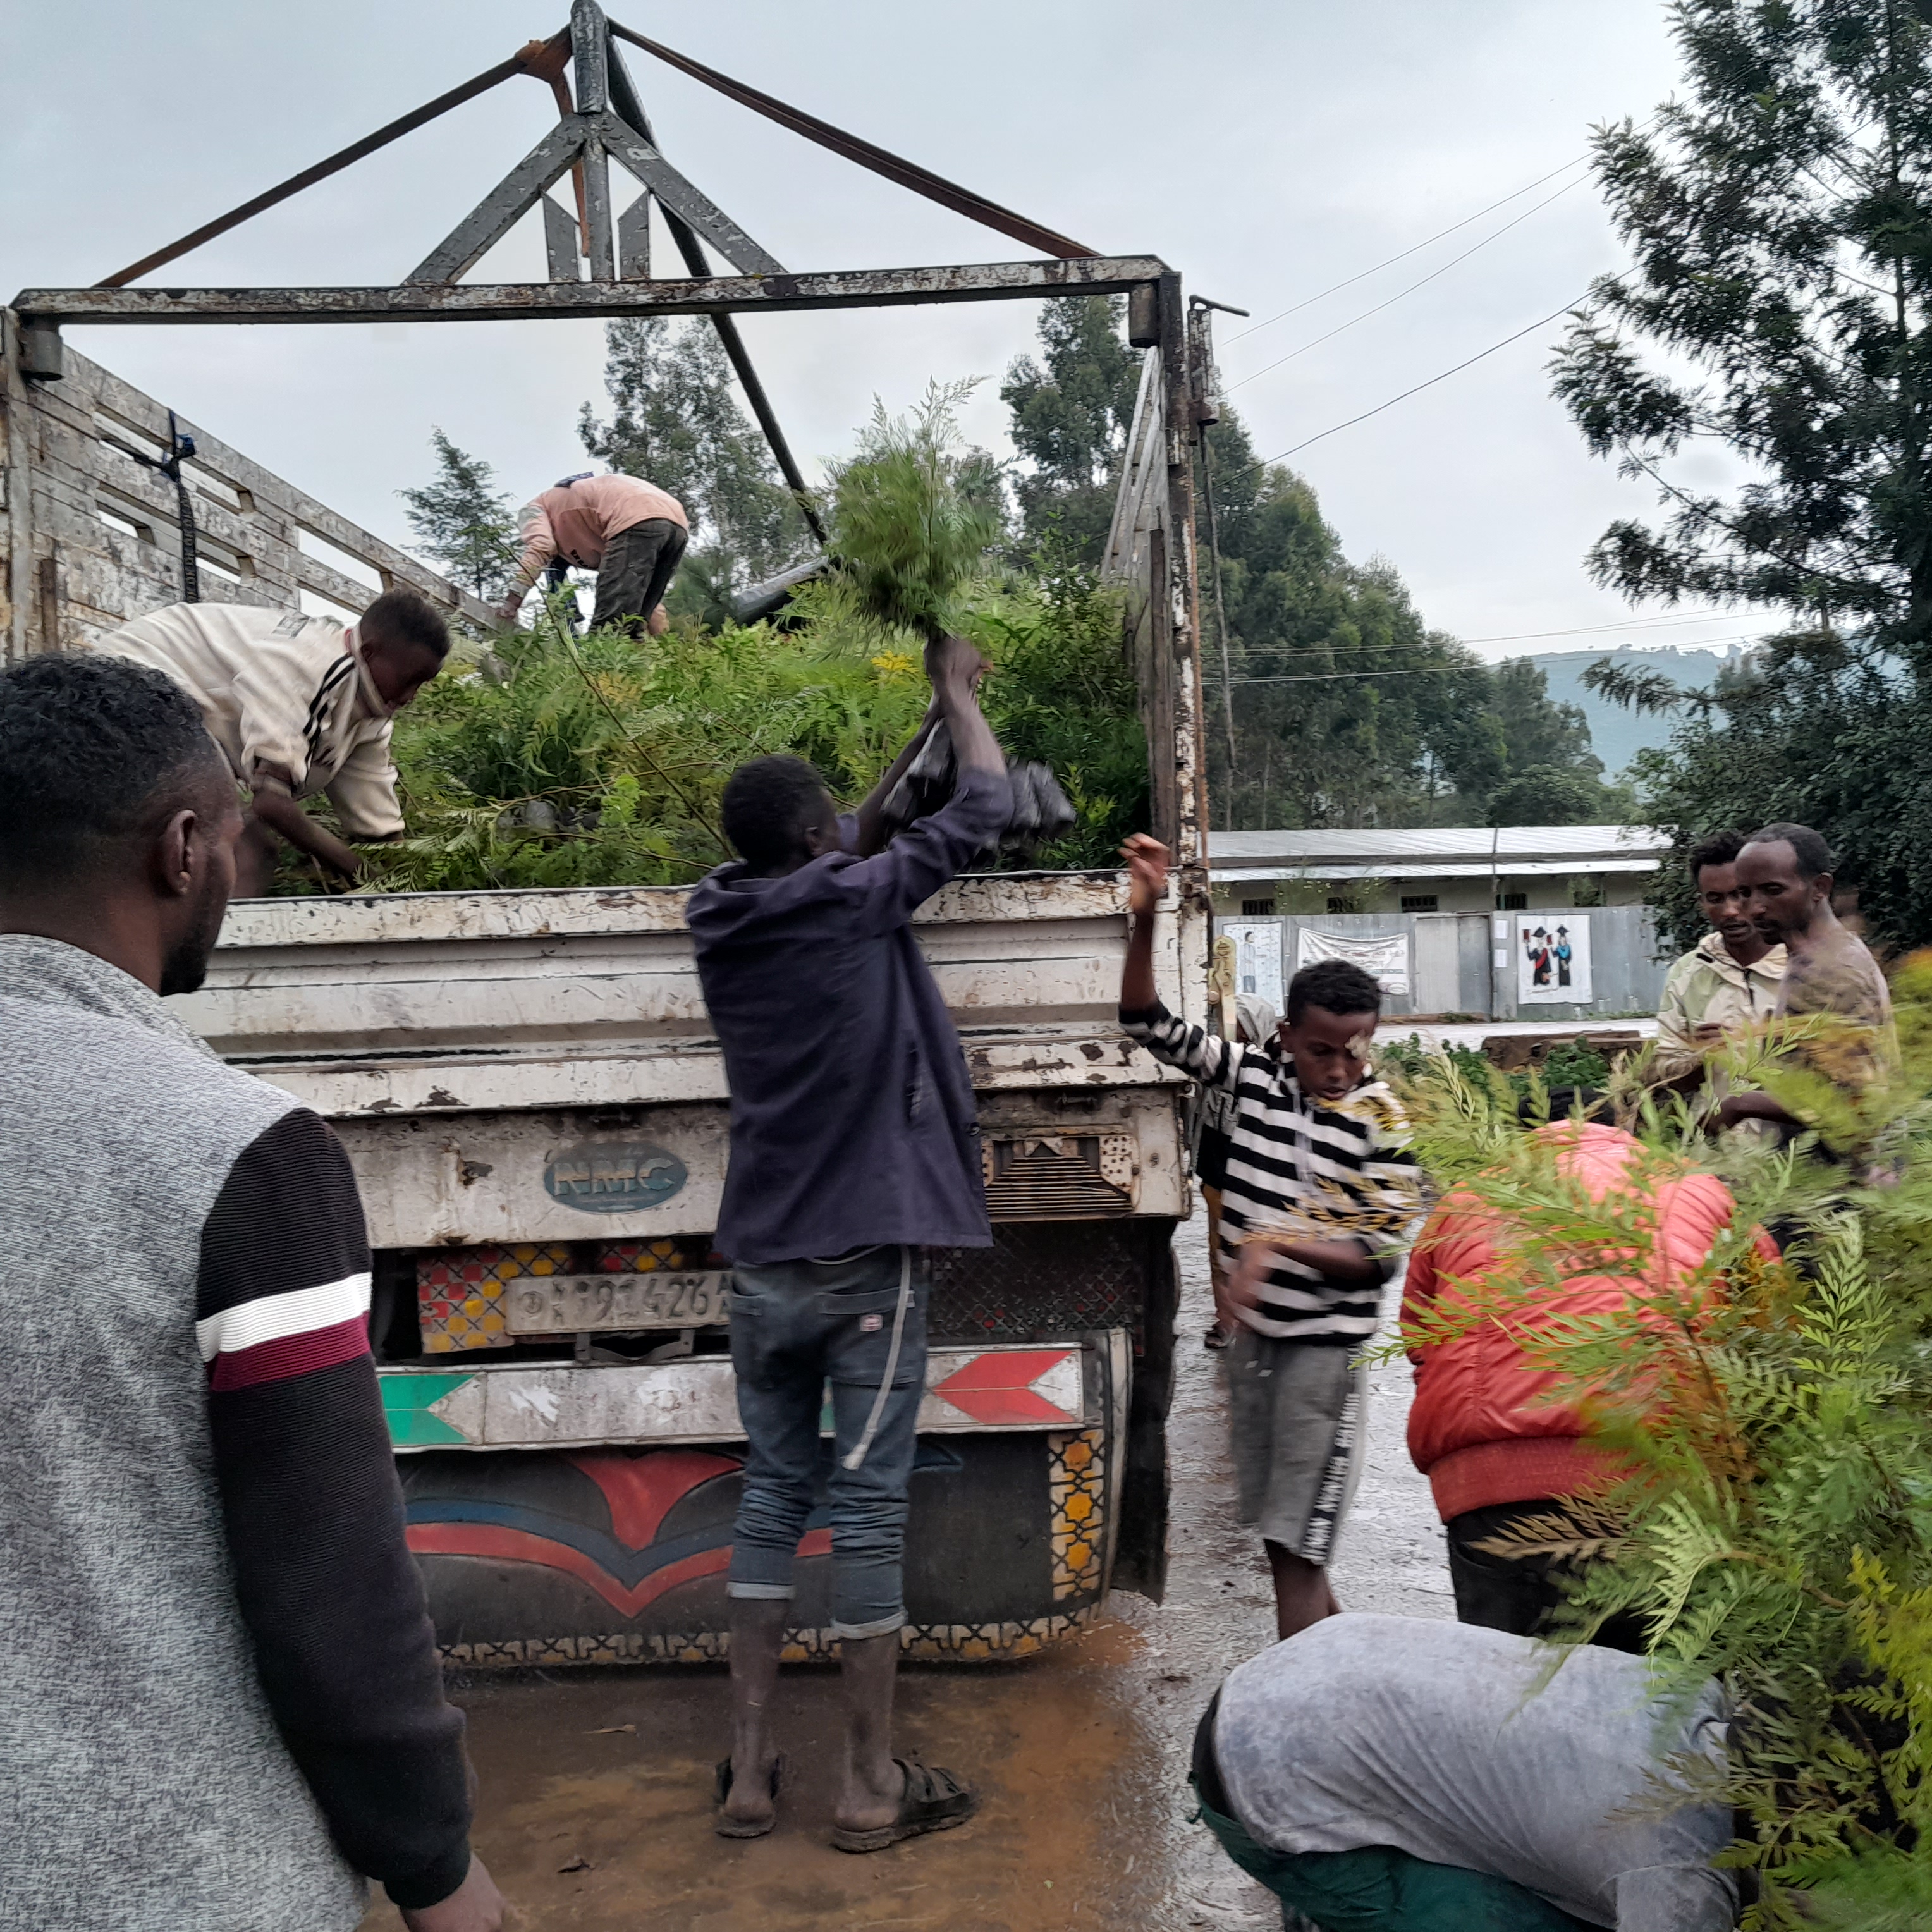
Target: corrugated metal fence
{"x": 1513, "y": 965}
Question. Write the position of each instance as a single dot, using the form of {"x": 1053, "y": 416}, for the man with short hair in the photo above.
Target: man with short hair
{"x": 1319, "y": 1194}
{"x": 854, "y": 1146}
{"x": 630, "y": 532}
{"x": 1785, "y": 872}
{"x": 299, "y": 705}
{"x": 220, "y": 1702}
{"x": 1726, "y": 985}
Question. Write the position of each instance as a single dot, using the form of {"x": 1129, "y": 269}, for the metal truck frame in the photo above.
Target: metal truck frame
{"x": 525, "y": 1081}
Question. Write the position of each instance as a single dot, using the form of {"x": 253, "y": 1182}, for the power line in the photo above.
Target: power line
{"x": 1542, "y": 322}
{"x": 1657, "y": 622}
{"x": 1336, "y": 288}
{"x": 1515, "y": 221}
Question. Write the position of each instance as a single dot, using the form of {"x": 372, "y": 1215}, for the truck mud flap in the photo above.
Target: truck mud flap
{"x": 1140, "y": 1564}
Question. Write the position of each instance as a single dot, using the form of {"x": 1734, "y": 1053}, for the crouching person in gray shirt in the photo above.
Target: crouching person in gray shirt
{"x": 1402, "y": 1774}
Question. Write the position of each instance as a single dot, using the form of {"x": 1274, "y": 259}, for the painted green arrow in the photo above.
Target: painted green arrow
{"x": 407, "y": 1399}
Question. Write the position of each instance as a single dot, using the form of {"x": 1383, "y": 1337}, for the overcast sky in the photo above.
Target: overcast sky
{"x": 1267, "y": 148}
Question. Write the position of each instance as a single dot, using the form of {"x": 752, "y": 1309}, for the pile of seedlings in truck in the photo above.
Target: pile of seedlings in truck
{"x": 568, "y": 759}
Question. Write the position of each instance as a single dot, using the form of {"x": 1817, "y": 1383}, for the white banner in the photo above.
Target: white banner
{"x": 1552, "y": 958}
{"x": 1383, "y": 955}
{"x": 1257, "y": 958}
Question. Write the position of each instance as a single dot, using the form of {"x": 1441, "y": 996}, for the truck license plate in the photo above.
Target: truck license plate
{"x": 570, "y": 1304}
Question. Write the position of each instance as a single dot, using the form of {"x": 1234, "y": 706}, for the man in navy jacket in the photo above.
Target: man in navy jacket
{"x": 854, "y": 1147}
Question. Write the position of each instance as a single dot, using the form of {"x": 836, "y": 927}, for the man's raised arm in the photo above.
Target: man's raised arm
{"x": 1143, "y": 1013}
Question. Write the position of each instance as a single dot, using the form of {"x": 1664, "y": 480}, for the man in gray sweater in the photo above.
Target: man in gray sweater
{"x": 221, "y": 1706}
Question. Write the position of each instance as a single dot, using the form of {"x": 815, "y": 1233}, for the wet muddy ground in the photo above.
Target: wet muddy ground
{"x": 595, "y": 1803}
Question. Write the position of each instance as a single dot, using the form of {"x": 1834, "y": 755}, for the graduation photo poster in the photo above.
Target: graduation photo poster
{"x": 1552, "y": 958}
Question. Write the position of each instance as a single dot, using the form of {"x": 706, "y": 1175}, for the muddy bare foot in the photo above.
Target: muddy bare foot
{"x": 869, "y": 1805}
{"x": 930, "y": 1799}
{"x": 748, "y": 1801}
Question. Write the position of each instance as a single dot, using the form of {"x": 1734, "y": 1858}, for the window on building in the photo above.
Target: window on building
{"x": 1418, "y": 902}
{"x": 1257, "y": 908}
{"x": 1343, "y": 905}
{"x": 1512, "y": 902}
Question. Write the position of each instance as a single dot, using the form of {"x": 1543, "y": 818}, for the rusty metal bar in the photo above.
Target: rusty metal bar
{"x": 630, "y": 107}
{"x": 493, "y": 76}
{"x": 727, "y": 295}
{"x": 503, "y": 207}
{"x": 1181, "y": 755}
{"x": 761, "y": 407}
{"x": 879, "y": 161}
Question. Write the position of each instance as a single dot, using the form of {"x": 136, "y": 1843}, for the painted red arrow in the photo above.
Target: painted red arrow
{"x": 996, "y": 1387}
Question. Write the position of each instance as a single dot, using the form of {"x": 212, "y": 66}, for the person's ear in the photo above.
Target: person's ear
{"x": 1825, "y": 884}
{"x": 173, "y": 857}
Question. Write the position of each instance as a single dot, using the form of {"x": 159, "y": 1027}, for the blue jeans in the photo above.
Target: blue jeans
{"x": 796, "y": 1326}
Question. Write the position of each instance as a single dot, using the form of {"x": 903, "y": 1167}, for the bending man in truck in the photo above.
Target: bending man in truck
{"x": 221, "y": 1705}
{"x": 299, "y": 705}
{"x": 854, "y": 1148}
{"x": 630, "y": 532}
{"x": 1319, "y": 1196}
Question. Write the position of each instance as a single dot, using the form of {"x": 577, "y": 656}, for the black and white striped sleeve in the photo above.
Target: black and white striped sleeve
{"x": 1213, "y": 1061}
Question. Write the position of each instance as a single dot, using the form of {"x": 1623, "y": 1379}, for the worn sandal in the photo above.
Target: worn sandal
{"x": 934, "y": 1801}
{"x": 742, "y": 1828}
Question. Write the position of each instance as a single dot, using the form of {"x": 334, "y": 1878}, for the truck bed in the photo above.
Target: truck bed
{"x": 432, "y": 1002}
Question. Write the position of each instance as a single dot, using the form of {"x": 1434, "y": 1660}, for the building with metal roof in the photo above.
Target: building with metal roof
{"x": 1441, "y": 868}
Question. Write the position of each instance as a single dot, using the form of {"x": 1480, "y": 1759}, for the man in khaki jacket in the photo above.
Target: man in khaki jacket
{"x": 299, "y": 705}
{"x": 1727, "y": 983}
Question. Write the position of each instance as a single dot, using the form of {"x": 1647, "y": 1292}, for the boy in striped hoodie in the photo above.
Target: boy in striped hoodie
{"x": 1318, "y": 1200}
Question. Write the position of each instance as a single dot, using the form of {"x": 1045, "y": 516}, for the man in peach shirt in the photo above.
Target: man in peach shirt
{"x": 631, "y": 532}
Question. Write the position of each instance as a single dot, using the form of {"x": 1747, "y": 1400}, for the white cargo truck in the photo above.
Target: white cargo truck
{"x": 536, "y": 1111}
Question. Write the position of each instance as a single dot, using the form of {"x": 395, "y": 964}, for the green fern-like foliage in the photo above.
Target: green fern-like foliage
{"x": 601, "y": 760}
{"x": 913, "y": 518}
{"x": 555, "y": 760}
{"x": 1772, "y": 1422}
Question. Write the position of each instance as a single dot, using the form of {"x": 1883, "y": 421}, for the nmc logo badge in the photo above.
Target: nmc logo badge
{"x": 614, "y": 1177}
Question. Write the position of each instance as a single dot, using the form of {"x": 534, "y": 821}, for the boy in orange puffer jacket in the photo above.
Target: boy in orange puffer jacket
{"x": 1484, "y": 1429}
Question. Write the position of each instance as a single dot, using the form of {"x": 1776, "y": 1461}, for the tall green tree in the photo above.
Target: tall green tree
{"x": 675, "y": 420}
{"x": 1332, "y": 702}
{"x": 1298, "y": 732}
{"x": 462, "y": 521}
{"x": 1071, "y": 409}
{"x": 1774, "y": 316}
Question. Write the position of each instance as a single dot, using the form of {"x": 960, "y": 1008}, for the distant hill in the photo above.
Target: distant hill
{"x": 1616, "y": 735}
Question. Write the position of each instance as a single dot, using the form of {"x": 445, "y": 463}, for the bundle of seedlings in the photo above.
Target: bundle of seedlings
{"x": 912, "y": 520}
{"x": 1767, "y": 1438}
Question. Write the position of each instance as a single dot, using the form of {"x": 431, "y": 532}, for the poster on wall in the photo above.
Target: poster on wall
{"x": 1552, "y": 958}
{"x": 1257, "y": 959}
{"x": 1383, "y": 956}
